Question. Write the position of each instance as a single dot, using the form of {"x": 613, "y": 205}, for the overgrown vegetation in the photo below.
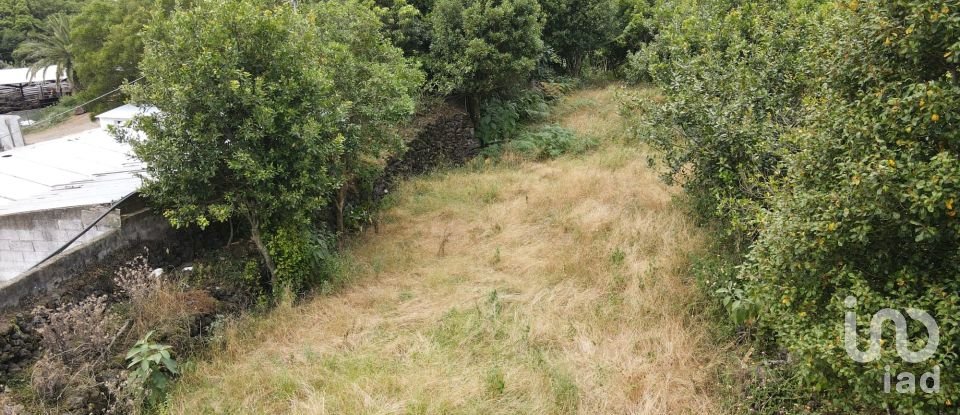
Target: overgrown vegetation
{"x": 505, "y": 286}
{"x": 305, "y": 101}
{"x": 816, "y": 137}
{"x": 88, "y": 345}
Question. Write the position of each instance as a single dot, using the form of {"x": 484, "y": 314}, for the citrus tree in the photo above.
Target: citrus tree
{"x": 869, "y": 208}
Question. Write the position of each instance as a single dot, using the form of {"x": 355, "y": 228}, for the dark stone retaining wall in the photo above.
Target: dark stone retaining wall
{"x": 444, "y": 137}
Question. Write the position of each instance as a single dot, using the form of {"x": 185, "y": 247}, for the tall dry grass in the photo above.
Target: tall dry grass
{"x": 554, "y": 287}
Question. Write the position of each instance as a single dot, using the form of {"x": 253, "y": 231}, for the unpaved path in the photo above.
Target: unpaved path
{"x": 75, "y": 124}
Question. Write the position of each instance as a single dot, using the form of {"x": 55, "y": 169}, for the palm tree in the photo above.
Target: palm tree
{"x": 51, "y": 46}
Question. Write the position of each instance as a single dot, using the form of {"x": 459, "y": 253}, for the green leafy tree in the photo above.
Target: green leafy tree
{"x": 576, "y": 28}
{"x": 870, "y": 207}
{"x": 405, "y": 25}
{"x": 108, "y": 46}
{"x": 378, "y": 84}
{"x": 824, "y": 135}
{"x": 482, "y": 47}
{"x": 41, "y": 9}
{"x": 51, "y": 46}
{"x": 20, "y": 19}
{"x": 640, "y": 23}
{"x": 249, "y": 118}
{"x": 16, "y": 23}
{"x": 733, "y": 79}
{"x": 263, "y": 116}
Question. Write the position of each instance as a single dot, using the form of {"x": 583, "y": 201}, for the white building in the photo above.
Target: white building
{"x": 51, "y": 191}
{"x": 120, "y": 117}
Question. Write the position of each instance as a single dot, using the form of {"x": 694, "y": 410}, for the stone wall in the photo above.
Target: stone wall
{"x": 26, "y": 239}
{"x": 445, "y": 137}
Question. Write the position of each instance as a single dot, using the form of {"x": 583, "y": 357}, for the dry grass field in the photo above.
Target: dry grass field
{"x": 497, "y": 288}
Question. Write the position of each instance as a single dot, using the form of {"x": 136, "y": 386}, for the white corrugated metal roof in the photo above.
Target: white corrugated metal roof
{"x": 86, "y": 168}
{"x": 18, "y": 76}
{"x": 128, "y": 111}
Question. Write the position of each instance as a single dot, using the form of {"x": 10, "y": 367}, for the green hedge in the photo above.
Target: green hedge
{"x": 823, "y": 138}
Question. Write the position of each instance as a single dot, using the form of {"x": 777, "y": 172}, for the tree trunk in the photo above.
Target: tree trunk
{"x": 576, "y": 65}
{"x": 473, "y": 109}
{"x": 341, "y": 203}
{"x": 264, "y": 252}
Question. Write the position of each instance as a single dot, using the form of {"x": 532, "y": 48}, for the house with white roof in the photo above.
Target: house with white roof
{"x": 58, "y": 194}
{"x": 120, "y": 117}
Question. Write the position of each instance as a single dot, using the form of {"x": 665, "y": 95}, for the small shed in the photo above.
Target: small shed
{"x": 23, "y": 89}
{"x": 120, "y": 117}
{"x": 51, "y": 191}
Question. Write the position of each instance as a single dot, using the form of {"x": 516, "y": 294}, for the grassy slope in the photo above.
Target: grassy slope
{"x": 511, "y": 287}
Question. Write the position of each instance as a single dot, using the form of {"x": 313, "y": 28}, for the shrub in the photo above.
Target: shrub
{"x": 76, "y": 339}
{"x": 137, "y": 280}
{"x": 481, "y": 48}
{"x": 733, "y": 81}
{"x": 305, "y": 257}
{"x": 869, "y": 207}
{"x": 549, "y": 142}
{"x": 78, "y": 333}
{"x": 820, "y": 136}
{"x": 158, "y": 304}
{"x": 502, "y": 118}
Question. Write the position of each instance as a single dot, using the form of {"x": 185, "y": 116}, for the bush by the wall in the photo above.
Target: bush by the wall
{"x": 501, "y": 118}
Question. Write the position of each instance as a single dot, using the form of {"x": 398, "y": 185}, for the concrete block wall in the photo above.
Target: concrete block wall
{"x": 26, "y": 239}
{"x": 139, "y": 226}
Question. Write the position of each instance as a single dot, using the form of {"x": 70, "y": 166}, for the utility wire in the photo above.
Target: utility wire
{"x": 85, "y": 230}
{"x": 53, "y": 117}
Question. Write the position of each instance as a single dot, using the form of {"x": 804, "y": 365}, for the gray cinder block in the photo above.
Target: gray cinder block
{"x": 11, "y": 257}
{"x": 69, "y": 224}
{"x": 21, "y": 246}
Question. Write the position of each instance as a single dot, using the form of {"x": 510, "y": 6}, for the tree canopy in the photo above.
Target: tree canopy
{"x": 480, "y": 47}
{"x": 264, "y": 111}
{"x": 108, "y": 45}
{"x": 50, "y": 46}
{"x": 576, "y": 28}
